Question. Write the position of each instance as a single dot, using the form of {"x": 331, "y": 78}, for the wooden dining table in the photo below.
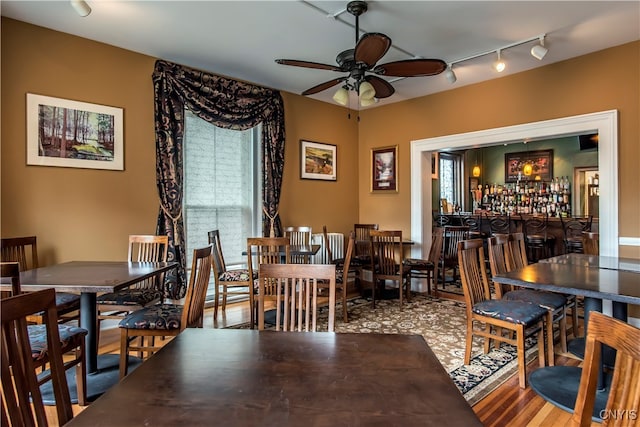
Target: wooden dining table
{"x": 236, "y": 377}
{"x": 596, "y": 279}
{"x": 89, "y": 278}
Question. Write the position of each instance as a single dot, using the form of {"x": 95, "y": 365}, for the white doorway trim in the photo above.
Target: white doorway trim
{"x": 605, "y": 123}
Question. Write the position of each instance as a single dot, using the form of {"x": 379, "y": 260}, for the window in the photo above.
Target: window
{"x": 451, "y": 178}
{"x": 222, "y": 183}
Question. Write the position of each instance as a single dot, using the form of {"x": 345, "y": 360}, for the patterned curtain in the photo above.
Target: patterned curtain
{"x": 227, "y": 104}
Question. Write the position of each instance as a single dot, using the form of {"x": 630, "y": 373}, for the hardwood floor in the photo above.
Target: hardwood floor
{"x": 508, "y": 405}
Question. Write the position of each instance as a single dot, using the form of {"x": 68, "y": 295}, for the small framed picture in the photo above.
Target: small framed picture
{"x": 384, "y": 169}
{"x": 318, "y": 161}
{"x": 435, "y": 161}
{"x": 66, "y": 133}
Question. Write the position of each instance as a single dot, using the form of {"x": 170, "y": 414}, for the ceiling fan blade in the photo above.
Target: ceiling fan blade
{"x": 382, "y": 87}
{"x": 323, "y": 86}
{"x": 412, "y": 68}
{"x": 371, "y": 47}
{"x": 308, "y": 64}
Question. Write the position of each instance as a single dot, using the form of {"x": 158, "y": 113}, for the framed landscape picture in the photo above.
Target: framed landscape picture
{"x": 541, "y": 166}
{"x": 66, "y": 133}
{"x": 384, "y": 169}
{"x": 318, "y": 161}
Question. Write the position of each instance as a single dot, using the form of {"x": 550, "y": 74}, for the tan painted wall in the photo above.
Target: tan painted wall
{"x": 582, "y": 85}
{"x": 87, "y": 214}
{"x": 81, "y": 214}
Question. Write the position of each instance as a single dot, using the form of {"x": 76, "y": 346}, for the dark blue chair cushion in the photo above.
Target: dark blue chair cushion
{"x": 70, "y": 338}
{"x": 547, "y": 300}
{"x": 520, "y": 312}
{"x": 161, "y": 316}
{"x": 139, "y": 297}
{"x": 67, "y": 300}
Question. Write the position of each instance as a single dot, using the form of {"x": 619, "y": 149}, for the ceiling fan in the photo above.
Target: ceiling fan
{"x": 361, "y": 60}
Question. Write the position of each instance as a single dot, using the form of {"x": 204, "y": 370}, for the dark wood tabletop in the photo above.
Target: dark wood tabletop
{"x": 89, "y": 278}
{"x": 263, "y": 378}
{"x": 597, "y": 261}
{"x": 577, "y": 279}
{"x": 299, "y": 250}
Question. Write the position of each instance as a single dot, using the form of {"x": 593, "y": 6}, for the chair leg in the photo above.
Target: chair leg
{"x": 563, "y": 330}
{"x": 469, "y": 343}
{"x": 124, "y": 352}
{"x": 549, "y": 333}
{"x": 215, "y": 304}
{"x": 522, "y": 363}
{"x": 81, "y": 375}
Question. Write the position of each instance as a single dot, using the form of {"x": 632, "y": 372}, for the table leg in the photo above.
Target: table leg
{"x": 89, "y": 321}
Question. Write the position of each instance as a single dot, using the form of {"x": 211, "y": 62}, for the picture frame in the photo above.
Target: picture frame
{"x": 384, "y": 169}
{"x": 435, "y": 162}
{"x": 318, "y": 161}
{"x": 93, "y": 134}
{"x": 541, "y": 162}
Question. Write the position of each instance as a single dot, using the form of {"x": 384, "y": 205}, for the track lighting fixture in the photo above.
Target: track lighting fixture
{"x": 499, "y": 65}
{"x": 81, "y": 7}
{"x": 539, "y": 51}
{"x": 450, "y": 75}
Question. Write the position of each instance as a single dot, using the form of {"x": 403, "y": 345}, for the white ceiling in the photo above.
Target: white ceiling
{"x": 241, "y": 39}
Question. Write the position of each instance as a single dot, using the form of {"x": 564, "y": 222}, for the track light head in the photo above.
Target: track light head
{"x": 81, "y": 7}
{"x": 499, "y": 65}
{"x": 450, "y": 75}
{"x": 539, "y": 51}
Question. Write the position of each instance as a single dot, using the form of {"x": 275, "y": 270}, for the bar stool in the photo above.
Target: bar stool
{"x": 540, "y": 244}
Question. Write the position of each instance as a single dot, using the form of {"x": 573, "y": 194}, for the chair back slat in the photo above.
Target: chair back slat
{"x": 473, "y": 273}
{"x": 148, "y": 248}
{"x": 219, "y": 265}
{"x": 20, "y": 389}
{"x": 387, "y": 249}
{"x": 23, "y": 250}
{"x": 192, "y": 313}
{"x": 518, "y": 247}
{"x": 624, "y": 391}
{"x": 499, "y": 254}
{"x": 296, "y": 294}
{"x": 300, "y": 235}
{"x": 363, "y": 238}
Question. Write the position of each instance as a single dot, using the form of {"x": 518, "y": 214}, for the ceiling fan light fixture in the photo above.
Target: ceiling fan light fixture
{"x": 366, "y": 91}
{"x": 450, "y": 75}
{"x": 341, "y": 96}
{"x": 499, "y": 65}
{"x": 368, "y": 102}
{"x": 81, "y": 7}
{"x": 539, "y": 51}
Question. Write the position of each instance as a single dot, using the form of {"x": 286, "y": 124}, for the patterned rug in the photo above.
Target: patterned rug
{"x": 442, "y": 323}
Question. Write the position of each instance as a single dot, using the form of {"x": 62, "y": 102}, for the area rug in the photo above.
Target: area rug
{"x": 442, "y": 323}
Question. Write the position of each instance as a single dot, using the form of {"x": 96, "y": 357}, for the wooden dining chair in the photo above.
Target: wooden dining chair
{"x": 345, "y": 276}
{"x": 72, "y": 339}
{"x": 163, "y": 320}
{"x": 572, "y": 229}
{"x": 452, "y": 234}
{"x": 294, "y": 291}
{"x": 591, "y": 243}
{"x": 488, "y": 318}
{"x": 301, "y": 236}
{"x": 116, "y": 305}
{"x": 388, "y": 265}
{"x": 623, "y": 402}
{"x": 24, "y": 251}
{"x": 500, "y": 261}
{"x": 227, "y": 282}
{"x": 427, "y": 268}
{"x": 264, "y": 250}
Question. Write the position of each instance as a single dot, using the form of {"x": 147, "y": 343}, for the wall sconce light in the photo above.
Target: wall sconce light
{"x": 81, "y": 7}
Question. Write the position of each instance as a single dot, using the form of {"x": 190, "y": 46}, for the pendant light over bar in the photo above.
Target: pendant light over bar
{"x": 538, "y": 51}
